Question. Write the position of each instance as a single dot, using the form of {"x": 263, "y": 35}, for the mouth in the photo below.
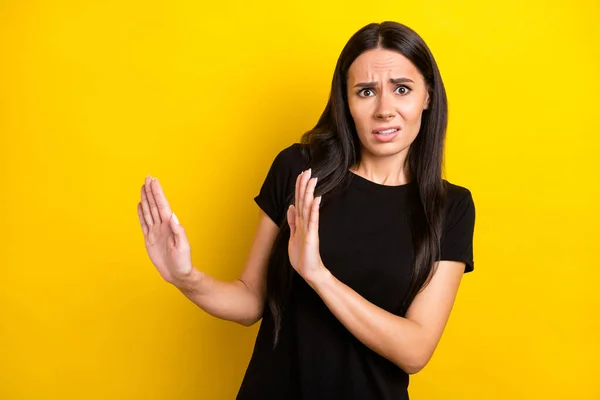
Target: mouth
{"x": 386, "y": 134}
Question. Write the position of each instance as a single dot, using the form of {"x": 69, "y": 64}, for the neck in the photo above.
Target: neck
{"x": 390, "y": 170}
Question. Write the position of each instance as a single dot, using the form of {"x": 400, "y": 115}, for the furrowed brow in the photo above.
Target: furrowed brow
{"x": 393, "y": 80}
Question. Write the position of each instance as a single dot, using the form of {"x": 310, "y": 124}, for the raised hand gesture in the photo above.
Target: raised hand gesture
{"x": 165, "y": 239}
{"x": 303, "y": 218}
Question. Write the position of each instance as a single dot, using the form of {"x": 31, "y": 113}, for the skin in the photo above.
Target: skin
{"x": 164, "y": 238}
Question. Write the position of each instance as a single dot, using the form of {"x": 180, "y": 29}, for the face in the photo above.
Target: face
{"x": 385, "y": 92}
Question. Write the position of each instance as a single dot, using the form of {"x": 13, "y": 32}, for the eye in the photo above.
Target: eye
{"x": 405, "y": 91}
{"x": 364, "y": 91}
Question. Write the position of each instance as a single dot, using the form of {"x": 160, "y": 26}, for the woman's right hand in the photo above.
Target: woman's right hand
{"x": 165, "y": 239}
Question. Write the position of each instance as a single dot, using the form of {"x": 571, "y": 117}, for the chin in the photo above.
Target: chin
{"x": 385, "y": 149}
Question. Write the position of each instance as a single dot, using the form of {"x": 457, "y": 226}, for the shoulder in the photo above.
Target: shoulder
{"x": 459, "y": 201}
{"x": 458, "y": 225}
{"x": 278, "y": 186}
{"x": 455, "y": 190}
{"x": 293, "y": 158}
{"x": 294, "y": 152}
{"x": 456, "y": 193}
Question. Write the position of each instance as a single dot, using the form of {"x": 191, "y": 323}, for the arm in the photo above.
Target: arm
{"x": 407, "y": 342}
{"x": 242, "y": 300}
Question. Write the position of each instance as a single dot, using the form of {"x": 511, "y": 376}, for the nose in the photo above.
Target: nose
{"x": 385, "y": 108}
{"x": 384, "y": 115}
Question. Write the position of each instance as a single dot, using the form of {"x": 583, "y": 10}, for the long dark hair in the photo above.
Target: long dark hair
{"x": 333, "y": 147}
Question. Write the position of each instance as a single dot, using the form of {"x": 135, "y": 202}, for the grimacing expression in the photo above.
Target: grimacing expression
{"x": 384, "y": 90}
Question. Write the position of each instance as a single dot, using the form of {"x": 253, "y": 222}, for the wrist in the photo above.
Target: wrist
{"x": 191, "y": 282}
{"x": 319, "y": 279}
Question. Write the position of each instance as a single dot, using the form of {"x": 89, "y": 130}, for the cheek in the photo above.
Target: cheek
{"x": 360, "y": 114}
{"x": 410, "y": 113}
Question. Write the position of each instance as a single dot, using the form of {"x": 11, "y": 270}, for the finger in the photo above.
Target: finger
{"x": 152, "y": 201}
{"x": 297, "y": 191}
{"x": 161, "y": 201}
{"x": 303, "y": 182}
{"x": 308, "y": 198}
{"x": 178, "y": 230}
{"x": 146, "y": 208}
{"x": 291, "y": 217}
{"x": 313, "y": 225}
{"x": 141, "y": 217}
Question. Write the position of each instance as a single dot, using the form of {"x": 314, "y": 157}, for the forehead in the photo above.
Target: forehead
{"x": 378, "y": 63}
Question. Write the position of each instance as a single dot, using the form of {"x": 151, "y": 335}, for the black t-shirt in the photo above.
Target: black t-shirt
{"x": 365, "y": 241}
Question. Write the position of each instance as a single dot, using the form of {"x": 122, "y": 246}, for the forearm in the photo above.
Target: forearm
{"x": 398, "y": 339}
{"x": 232, "y": 301}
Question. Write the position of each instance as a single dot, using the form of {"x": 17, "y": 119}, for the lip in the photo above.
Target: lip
{"x": 386, "y": 138}
{"x": 376, "y": 131}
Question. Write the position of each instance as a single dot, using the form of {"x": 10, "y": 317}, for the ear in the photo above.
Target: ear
{"x": 426, "y": 102}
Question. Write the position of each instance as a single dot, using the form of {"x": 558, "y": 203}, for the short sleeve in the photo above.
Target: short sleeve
{"x": 459, "y": 225}
{"x": 279, "y": 184}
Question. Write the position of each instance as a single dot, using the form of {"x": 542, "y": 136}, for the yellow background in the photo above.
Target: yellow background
{"x": 95, "y": 95}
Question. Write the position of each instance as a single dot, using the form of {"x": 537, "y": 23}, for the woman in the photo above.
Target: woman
{"x": 360, "y": 246}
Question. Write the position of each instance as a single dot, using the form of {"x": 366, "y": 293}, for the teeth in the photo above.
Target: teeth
{"x": 387, "y": 132}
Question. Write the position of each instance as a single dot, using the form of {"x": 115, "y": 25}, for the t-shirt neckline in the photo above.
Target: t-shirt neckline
{"x": 364, "y": 183}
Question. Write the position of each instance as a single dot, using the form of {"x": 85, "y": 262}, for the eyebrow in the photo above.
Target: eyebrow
{"x": 396, "y": 80}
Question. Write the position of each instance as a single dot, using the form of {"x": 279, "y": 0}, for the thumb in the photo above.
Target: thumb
{"x": 291, "y": 217}
{"x": 176, "y": 227}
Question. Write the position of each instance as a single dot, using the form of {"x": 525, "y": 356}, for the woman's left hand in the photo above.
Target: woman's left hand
{"x": 303, "y": 218}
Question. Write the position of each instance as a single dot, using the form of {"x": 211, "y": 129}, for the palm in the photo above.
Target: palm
{"x": 303, "y": 247}
{"x": 164, "y": 254}
{"x": 166, "y": 242}
{"x": 303, "y": 218}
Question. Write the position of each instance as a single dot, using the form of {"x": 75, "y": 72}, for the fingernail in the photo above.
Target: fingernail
{"x": 319, "y": 201}
{"x": 175, "y": 218}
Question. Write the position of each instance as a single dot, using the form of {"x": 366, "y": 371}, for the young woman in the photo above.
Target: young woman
{"x": 361, "y": 244}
